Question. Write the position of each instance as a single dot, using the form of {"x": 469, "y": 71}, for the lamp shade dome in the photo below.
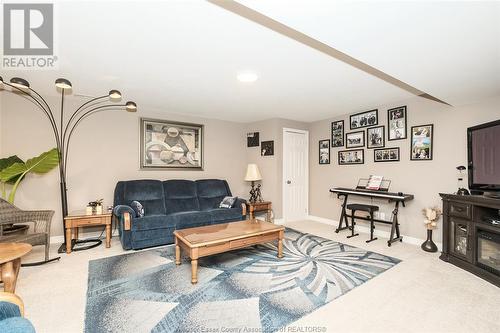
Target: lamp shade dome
{"x": 63, "y": 83}
{"x": 19, "y": 82}
{"x": 115, "y": 94}
{"x": 131, "y": 106}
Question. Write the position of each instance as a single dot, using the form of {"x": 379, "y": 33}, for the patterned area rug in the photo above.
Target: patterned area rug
{"x": 249, "y": 290}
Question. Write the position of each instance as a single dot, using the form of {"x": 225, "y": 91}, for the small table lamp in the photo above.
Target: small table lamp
{"x": 253, "y": 175}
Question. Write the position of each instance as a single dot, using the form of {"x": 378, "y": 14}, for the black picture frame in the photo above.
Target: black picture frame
{"x": 349, "y": 145}
{"x": 159, "y": 137}
{"x": 253, "y": 139}
{"x": 382, "y": 157}
{"x": 415, "y": 152}
{"x": 337, "y": 133}
{"x": 363, "y": 119}
{"x": 369, "y": 139}
{"x": 342, "y": 158}
{"x": 324, "y": 151}
{"x": 395, "y": 123}
{"x": 267, "y": 148}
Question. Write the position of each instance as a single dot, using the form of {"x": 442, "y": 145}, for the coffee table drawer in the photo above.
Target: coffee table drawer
{"x": 213, "y": 249}
{"x": 252, "y": 240}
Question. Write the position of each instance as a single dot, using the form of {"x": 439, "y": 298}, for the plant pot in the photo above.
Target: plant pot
{"x": 428, "y": 245}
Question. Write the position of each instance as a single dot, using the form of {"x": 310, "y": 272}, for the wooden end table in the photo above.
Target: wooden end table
{"x": 212, "y": 239}
{"x": 10, "y": 262}
{"x": 261, "y": 206}
{"x": 79, "y": 219}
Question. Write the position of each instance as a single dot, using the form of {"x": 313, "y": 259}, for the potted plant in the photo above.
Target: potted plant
{"x": 431, "y": 218}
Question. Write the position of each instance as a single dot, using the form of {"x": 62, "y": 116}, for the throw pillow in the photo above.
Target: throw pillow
{"x": 138, "y": 208}
{"x": 228, "y": 202}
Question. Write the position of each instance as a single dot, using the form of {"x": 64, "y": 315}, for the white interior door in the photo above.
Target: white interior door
{"x": 295, "y": 174}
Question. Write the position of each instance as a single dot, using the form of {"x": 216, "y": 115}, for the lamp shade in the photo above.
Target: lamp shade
{"x": 63, "y": 83}
{"x": 19, "y": 83}
{"x": 253, "y": 173}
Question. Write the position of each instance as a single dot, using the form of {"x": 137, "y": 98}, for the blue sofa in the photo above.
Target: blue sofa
{"x": 168, "y": 206}
{"x": 11, "y": 316}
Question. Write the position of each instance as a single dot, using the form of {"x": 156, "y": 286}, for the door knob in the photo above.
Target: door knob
{"x": 288, "y": 182}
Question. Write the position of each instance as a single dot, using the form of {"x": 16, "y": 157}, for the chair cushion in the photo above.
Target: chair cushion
{"x": 225, "y": 214}
{"x": 180, "y": 196}
{"x": 148, "y": 192}
{"x": 211, "y": 192}
{"x": 362, "y": 207}
{"x": 152, "y": 222}
{"x": 191, "y": 219}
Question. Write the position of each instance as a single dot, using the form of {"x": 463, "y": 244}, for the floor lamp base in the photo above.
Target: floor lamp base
{"x": 75, "y": 242}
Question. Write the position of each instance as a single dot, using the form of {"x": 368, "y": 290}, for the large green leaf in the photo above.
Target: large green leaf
{"x": 7, "y": 162}
{"x": 40, "y": 164}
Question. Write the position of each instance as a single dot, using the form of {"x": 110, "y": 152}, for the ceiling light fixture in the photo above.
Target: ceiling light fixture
{"x": 247, "y": 77}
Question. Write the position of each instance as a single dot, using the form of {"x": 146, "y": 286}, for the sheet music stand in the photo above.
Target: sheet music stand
{"x": 363, "y": 182}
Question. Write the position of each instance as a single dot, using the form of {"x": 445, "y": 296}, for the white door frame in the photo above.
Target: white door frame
{"x": 283, "y": 180}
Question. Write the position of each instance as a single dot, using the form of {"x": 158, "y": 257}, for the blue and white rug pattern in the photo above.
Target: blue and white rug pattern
{"x": 249, "y": 289}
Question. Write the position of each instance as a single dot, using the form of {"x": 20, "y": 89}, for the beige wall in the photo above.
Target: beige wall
{"x": 271, "y": 166}
{"x": 424, "y": 179}
{"x": 105, "y": 149}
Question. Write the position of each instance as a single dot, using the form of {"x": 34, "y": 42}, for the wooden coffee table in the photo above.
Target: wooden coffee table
{"x": 10, "y": 262}
{"x": 207, "y": 240}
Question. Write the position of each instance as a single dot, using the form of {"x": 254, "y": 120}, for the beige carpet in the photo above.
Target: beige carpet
{"x": 421, "y": 294}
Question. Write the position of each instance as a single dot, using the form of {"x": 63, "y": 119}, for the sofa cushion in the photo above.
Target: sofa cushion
{"x": 180, "y": 196}
{"x": 148, "y": 192}
{"x": 191, "y": 219}
{"x": 225, "y": 214}
{"x": 211, "y": 192}
{"x": 152, "y": 222}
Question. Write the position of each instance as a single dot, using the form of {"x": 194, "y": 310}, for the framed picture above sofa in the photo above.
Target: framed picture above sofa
{"x": 171, "y": 145}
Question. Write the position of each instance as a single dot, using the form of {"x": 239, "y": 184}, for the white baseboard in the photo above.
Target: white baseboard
{"x": 378, "y": 233}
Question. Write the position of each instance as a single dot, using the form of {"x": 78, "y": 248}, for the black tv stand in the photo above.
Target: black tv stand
{"x": 471, "y": 234}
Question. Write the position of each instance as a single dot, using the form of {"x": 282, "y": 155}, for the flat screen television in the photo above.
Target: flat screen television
{"x": 483, "y": 145}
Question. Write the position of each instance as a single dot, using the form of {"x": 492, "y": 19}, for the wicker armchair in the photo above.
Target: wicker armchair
{"x": 10, "y": 214}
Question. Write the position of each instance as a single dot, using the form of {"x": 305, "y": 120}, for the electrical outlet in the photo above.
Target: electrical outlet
{"x": 381, "y": 215}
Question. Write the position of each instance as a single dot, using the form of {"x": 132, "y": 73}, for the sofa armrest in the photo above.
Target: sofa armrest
{"x": 14, "y": 299}
{"x": 243, "y": 204}
{"x": 126, "y": 214}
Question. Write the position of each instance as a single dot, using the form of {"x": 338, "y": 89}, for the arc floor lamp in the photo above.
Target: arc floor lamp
{"x": 63, "y": 130}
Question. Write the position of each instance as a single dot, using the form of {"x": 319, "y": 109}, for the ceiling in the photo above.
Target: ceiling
{"x": 184, "y": 56}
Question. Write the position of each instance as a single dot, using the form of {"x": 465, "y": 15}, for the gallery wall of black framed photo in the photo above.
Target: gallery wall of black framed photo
{"x": 350, "y": 157}
{"x": 375, "y": 137}
{"x": 324, "y": 151}
{"x": 337, "y": 129}
{"x": 355, "y": 139}
{"x": 397, "y": 122}
{"x": 422, "y": 145}
{"x": 386, "y": 155}
{"x": 364, "y": 119}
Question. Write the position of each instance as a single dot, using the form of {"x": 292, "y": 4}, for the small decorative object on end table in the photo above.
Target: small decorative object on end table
{"x": 10, "y": 262}
{"x": 266, "y": 206}
{"x": 253, "y": 175}
{"x": 80, "y": 219}
{"x": 431, "y": 217}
